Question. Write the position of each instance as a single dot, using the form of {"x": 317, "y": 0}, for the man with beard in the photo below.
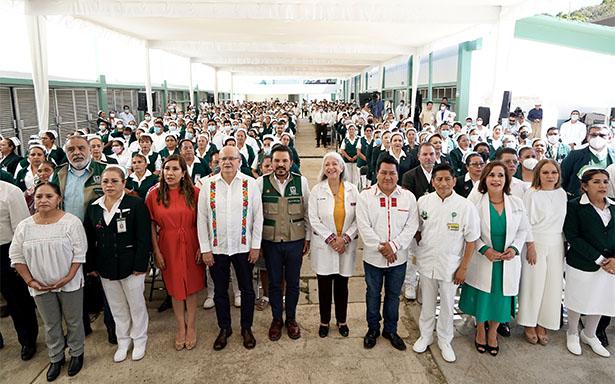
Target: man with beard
{"x": 286, "y": 237}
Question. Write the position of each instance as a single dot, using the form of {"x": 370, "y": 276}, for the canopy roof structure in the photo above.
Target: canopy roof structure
{"x": 327, "y": 38}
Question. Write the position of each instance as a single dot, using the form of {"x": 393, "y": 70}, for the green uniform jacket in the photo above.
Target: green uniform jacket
{"x": 145, "y": 186}
{"x": 117, "y": 255}
{"x": 92, "y": 188}
{"x": 9, "y": 163}
{"x": 588, "y": 237}
{"x": 164, "y": 153}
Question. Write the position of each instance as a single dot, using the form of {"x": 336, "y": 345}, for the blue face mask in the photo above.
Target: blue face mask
{"x": 445, "y": 134}
{"x": 157, "y": 129}
{"x": 378, "y": 142}
{"x": 189, "y": 135}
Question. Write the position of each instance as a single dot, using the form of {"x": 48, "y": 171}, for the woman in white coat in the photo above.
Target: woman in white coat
{"x": 542, "y": 272}
{"x": 492, "y": 280}
{"x": 332, "y": 208}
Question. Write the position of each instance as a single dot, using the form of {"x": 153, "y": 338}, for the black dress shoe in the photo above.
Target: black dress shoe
{"x": 27, "y": 352}
{"x": 249, "y": 342}
{"x": 166, "y": 304}
{"x": 87, "y": 328}
{"x": 54, "y": 370}
{"x": 369, "y": 340}
{"x": 323, "y": 331}
{"x": 111, "y": 336}
{"x": 343, "y": 329}
{"x": 75, "y": 365}
{"x": 395, "y": 340}
{"x": 220, "y": 342}
{"x": 504, "y": 329}
{"x": 601, "y": 335}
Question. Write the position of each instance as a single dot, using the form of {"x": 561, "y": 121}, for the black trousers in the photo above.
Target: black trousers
{"x": 20, "y": 304}
{"x": 95, "y": 292}
{"x": 604, "y": 322}
{"x": 221, "y": 274}
{"x": 336, "y": 286}
{"x": 321, "y": 134}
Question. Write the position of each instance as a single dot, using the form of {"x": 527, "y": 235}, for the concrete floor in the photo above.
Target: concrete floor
{"x": 312, "y": 359}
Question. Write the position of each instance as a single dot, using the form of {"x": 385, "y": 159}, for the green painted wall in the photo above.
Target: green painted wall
{"x": 572, "y": 34}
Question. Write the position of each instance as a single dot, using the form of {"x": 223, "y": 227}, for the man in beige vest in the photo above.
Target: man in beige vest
{"x": 285, "y": 238}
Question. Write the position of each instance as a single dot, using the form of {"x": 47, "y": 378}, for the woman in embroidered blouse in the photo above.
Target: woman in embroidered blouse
{"x": 48, "y": 251}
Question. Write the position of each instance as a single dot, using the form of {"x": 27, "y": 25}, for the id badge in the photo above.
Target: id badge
{"x": 453, "y": 226}
{"x": 121, "y": 226}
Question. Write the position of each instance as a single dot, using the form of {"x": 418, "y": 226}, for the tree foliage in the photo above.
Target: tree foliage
{"x": 589, "y": 14}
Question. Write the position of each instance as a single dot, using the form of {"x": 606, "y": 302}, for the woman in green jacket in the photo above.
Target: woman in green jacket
{"x": 118, "y": 231}
{"x": 589, "y": 228}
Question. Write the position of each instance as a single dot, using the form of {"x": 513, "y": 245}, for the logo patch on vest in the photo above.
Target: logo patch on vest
{"x": 293, "y": 190}
{"x": 96, "y": 179}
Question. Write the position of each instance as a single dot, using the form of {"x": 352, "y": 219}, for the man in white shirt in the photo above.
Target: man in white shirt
{"x": 402, "y": 111}
{"x": 126, "y": 116}
{"x": 20, "y": 305}
{"x": 286, "y": 237}
{"x": 387, "y": 221}
{"x": 321, "y": 121}
{"x": 573, "y": 132}
{"x": 228, "y": 235}
{"x": 448, "y": 227}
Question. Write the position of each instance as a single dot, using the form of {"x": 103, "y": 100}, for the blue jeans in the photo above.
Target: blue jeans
{"x": 283, "y": 262}
{"x": 393, "y": 278}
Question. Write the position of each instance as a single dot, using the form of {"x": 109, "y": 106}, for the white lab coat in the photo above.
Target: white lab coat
{"x": 325, "y": 261}
{"x": 517, "y": 226}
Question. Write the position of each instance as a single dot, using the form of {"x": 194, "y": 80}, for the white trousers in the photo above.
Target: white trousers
{"x": 430, "y": 288}
{"x": 210, "y": 284}
{"x": 540, "y": 291}
{"x": 352, "y": 173}
{"x": 128, "y": 307}
{"x": 412, "y": 277}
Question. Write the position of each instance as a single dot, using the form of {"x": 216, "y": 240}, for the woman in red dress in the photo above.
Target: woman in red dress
{"x": 172, "y": 205}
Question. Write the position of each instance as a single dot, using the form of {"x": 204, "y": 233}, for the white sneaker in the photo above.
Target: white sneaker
{"x": 120, "y": 354}
{"x": 573, "y": 345}
{"x": 595, "y": 345}
{"x": 237, "y": 301}
{"x": 410, "y": 292}
{"x": 447, "y": 352}
{"x": 421, "y": 344}
{"x": 209, "y": 303}
{"x": 138, "y": 352}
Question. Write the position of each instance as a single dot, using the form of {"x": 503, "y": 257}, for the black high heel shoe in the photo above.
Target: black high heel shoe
{"x": 343, "y": 330}
{"x": 493, "y": 351}
{"x": 323, "y": 331}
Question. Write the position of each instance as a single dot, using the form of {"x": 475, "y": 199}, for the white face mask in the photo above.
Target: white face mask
{"x": 473, "y": 138}
{"x": 148, "y": 118}
{"x": 479, "y": 122}
{"x": 597, "y": 143}
{"x": 552, "y": 139}
{"x": 442, "y": 108}
{"x": 574, "y": 117}
{"x": 511, "y": 144}
{"x": 530, "y": 163}
{"x": 117, "y": 150}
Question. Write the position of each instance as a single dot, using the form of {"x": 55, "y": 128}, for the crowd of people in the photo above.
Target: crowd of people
{"x": 487, "y": 209}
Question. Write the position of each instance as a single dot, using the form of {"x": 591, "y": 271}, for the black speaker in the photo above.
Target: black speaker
{"x": 418, "y": 108}
{"x": 505, "y": 109}
{"x": 364, "y": 98}
{"x": 485, "y": 113}
{"x": 142, "y": 100}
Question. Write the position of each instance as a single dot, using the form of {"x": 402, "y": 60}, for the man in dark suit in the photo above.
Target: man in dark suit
{"x": 418, "y": 179}
{"x": 597, "y": 154}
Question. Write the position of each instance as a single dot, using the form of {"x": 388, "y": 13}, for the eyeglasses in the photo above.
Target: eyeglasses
{"x": 481, "y": 164}
{"x": 603, "y": 135}
{"x": 229, "y": 158}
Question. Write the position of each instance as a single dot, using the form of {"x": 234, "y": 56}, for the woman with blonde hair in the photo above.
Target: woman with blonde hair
{"x": 540, "y": 293}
